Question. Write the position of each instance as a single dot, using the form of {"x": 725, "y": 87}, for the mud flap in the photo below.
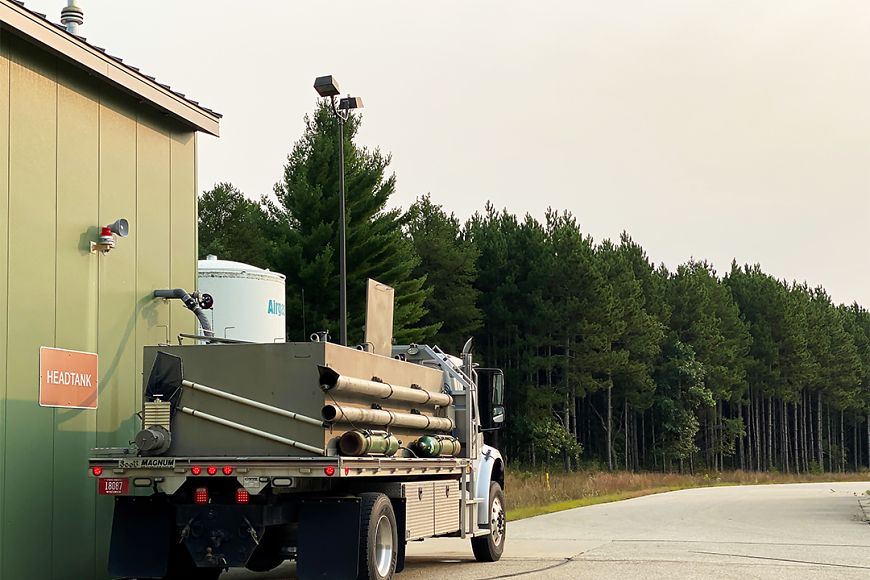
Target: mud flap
{"x": 141, "y": 532}
{"x": 401, "y": 525}
{"x": 329, "y": 540}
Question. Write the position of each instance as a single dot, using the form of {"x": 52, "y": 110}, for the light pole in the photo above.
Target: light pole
{"x": 327, "y": 87}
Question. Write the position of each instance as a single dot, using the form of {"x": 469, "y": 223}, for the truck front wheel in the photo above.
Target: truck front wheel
{"x": 489, "y": 548}
{"x": 378, "y": 547}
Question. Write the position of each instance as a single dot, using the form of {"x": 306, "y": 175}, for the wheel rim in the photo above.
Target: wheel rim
{"x": 497, "y": 521}
{"x": 384, "y": 546}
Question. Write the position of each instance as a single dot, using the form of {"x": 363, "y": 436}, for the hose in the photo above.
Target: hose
{"x": 191, "y": 304}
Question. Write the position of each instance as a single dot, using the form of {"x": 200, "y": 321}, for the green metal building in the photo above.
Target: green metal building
{"x": 84, "y": 140}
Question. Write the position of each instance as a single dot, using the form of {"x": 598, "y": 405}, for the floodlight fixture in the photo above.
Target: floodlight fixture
{"x": 326, "y": 86}
{"x": 350, "y": 103}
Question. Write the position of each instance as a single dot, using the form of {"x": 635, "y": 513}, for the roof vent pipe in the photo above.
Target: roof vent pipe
{"x": 72, "y": 16}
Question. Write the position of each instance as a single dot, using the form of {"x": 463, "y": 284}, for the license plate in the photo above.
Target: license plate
{"x": 146, "y": 463}
{"x": 114, "y": 485}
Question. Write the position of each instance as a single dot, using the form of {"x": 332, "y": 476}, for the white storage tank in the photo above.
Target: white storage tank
{"x": 248, "y": 301}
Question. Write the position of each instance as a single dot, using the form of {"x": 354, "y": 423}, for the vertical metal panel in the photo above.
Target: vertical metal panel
{"x": 4, "y": 238}
{"x": 117, "y": 298}
{"x": 182, "y": 223}
{"x": 76, "y": 308}
{"x": 152, "y": 245}
{"x": 31, "y": 318}
{"x": 446, "y": 507}
{"x": 419, "y": 510}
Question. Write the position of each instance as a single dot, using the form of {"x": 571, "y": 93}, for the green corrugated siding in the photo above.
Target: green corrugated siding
{"x": 182, "y": 239}
{"x": 79, "y": 155}
{"x": 78, "y": 199}
{"x": 29, "y": 473}
{"x": 4, "y": 278}
{"x": 152, "y": 245}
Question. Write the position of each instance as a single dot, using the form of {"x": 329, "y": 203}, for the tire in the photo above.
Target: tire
{"x": 378, "y": 543}
{"x": 489, "y": 548}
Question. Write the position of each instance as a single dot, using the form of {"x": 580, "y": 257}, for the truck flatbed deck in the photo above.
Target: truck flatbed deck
{"x": 132, "y": 466}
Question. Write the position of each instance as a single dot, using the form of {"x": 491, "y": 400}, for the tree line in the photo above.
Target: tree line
{"x": 610, "y": 360}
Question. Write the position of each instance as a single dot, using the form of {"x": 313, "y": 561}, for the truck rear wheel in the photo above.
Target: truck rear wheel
{"x": 379, "y": 544}
{"x": 489, "y": 548}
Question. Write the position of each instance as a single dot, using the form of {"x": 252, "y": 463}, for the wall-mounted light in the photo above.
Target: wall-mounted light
{"x": 106, "y": 241}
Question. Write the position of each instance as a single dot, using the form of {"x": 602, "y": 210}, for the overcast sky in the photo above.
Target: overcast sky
{"x": 714, "y": 129}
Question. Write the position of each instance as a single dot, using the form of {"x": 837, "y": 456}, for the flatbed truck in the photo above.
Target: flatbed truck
{"x": 250, "y": 455}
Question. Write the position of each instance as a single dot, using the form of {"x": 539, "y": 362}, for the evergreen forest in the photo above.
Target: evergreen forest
{"x": 611, "y": 361}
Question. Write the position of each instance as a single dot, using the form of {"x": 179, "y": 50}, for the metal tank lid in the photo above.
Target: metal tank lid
{"x": 212, "y": 264}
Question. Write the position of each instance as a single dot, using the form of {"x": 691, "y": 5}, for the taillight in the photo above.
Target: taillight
{"x": 242, "y": 496}
{"x": 228, "y": 470}
{"x": 211, "y": 470}
{"x": 97, "y": 471}
{"x": 196, "y": 470}
{"x": 200, "y": 495}
{"x": 329, "y": 470}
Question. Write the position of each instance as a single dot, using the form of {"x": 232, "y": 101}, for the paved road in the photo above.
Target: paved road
{"x": 766, "y": 532}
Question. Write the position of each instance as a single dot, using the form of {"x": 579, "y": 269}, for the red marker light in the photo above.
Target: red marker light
{"x": 242, "y": 496}
{"x": 97, "y": 471}
{"x": 200, "y": 495}
{"x": 196, "y": 470}
{"x": 329, "y": 470}
{"x": 228, "y": 470}
{"x": 211, "y": 470}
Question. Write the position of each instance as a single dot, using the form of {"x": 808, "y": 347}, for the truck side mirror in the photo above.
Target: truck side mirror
{"x": 490, "y": 389}
{"x": 497, "y": 399}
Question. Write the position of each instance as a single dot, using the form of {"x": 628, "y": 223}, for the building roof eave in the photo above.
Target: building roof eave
{"x": 56, "y": 39}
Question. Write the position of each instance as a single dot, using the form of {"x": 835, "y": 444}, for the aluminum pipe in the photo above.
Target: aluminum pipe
{"x": 251, "y": 430}
{"x": 251, "y": 403}
{"x": 384, "y": 418}
{"x": 332, "y": 381}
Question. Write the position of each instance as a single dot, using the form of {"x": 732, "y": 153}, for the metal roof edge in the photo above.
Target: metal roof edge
{"x": 110, "y": 69}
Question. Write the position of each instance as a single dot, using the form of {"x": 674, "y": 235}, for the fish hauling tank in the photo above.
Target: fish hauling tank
{"x": 295, "y": 399}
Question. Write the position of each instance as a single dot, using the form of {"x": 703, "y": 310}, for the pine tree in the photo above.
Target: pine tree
{"x": 637, "y": 342}
{"x": 233, "y": 227}
{"x": 307, "y": 212}
{"x": 448, "y": 260}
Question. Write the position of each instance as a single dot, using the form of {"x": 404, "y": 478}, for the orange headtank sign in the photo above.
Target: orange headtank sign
{"x": 67, "y": 378}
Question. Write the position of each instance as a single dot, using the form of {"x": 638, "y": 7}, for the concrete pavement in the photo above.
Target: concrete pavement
{"x": 765, "y": 532}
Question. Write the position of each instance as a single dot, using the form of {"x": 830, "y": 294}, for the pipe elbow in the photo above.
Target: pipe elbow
{"x": 189, "y": 302}
{"x": 179, "y": 293}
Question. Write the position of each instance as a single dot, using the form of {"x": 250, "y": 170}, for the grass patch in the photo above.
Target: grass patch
{"x": 539, "y": 510}
{"x": 535, "y": 493}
